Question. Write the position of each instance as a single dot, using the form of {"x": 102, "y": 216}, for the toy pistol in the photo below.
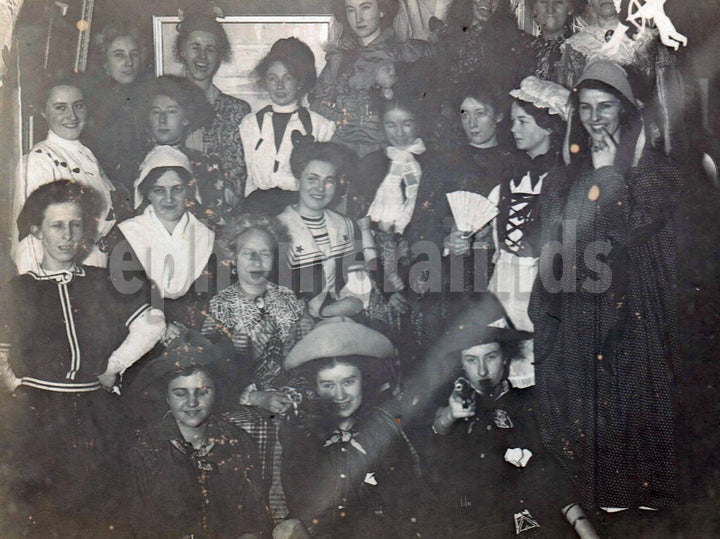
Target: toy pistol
{"x": 464, "y": 392}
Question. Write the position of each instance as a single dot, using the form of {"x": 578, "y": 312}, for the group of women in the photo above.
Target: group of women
{"x": 340, "y": 355}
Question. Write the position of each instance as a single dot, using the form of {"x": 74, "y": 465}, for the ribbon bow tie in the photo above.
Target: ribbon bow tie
{"x": 408, "y": 154}
{"x": 345, "y": 436}
{"x": 197, "y": 455}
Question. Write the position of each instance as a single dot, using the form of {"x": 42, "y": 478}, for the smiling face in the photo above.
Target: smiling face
{"x": 201, "y": 55}
{"x": 191, "y": 399}
{"x": 484, "y": 366}
{"x": 479, "y": 121}
{"x": 318, "y": 183}
{"x": 254, "y": 259}
{"x": 400, "y": 128}
{"x": 341, "y": 386}
{"x": 168, "y": 197}
{"x": 364, "y": 17}
{"x": 282, "y": 87}
{"x": 599, "y": 113}
{"x": 60, "y": 233}
{"x": 529, "y": 136}
{"x": 123, "y": 60}
{"x": 552, "y": 15}
{"x": 168, "y": 120}
{"x": 65, "y": 112}
{"x": 483, "y": 10}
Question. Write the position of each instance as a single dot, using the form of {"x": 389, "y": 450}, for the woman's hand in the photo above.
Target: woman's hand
{"x": 457, "y": 243}
{"x": 306, "y": 324}
{"x": 457, "y": 411}
{"x": 399, "y": 302}
{"x": 445, "y": 417}
{"x": 271, "y": 401}
{"x": 343, "y": 307}
{"x": 603, "y": 151}
{"x": 173, "y": 331}
{"x": 107, "y": 381}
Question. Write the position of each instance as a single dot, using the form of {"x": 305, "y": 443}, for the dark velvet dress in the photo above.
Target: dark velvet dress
{"x": 606, "y": 333}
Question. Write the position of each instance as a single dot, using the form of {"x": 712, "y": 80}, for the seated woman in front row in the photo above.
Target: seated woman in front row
{"x": 348, "y": 469}
{"x": 193, "y": 475}
{"x": 323, "y": 262}
{"x": 66, "y": 332}
{"x": 487, "y": 460}
{"x": 264, "y": 321}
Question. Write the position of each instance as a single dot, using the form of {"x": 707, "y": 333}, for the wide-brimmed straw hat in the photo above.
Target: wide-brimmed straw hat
{"x": 339, "y": 337}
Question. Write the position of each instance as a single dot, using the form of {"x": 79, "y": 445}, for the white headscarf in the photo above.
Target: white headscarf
{"x": 161, "y": 156}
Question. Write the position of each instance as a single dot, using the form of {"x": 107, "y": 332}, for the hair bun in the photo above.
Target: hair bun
{"x": 298, "y": 139}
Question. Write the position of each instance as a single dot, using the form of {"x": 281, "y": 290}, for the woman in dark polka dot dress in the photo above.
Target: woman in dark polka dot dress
{"x": 606, "y": 337}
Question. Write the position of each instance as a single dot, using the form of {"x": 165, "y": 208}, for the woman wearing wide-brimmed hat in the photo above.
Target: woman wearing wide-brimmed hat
{"x": 486, "y": 461}
{"x": 193, "y": 474}
{"x": 348, "y": 468}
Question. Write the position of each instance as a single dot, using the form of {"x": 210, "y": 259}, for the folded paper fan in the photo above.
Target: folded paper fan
{"x": 471, "y": 211}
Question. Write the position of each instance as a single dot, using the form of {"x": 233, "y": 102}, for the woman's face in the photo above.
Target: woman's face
{"x": 484, "y": 366}
{"x": 254, "y": 259}
{"x": 60, "y": 233}
{"x": 363, "y": 17}
{"x": 123, "y": 60}
{"x": 479, "y": 121}
{"x": 605, "y": 9}
{"x": 281, "y": 85}
{"x": 201, "y": 55}
{"x": 168, "y": 197}
{"x": 168, "y": 121}
{"x": 483, "y": 10}
{"x": 318, "y": 183}
{"x": 65, "y": 112}
{"x": 400, "y": 128}
{"x": 529, "y": 136}
{"x": 191, "y": 398}
{"x": 552, "y": 15}
{"x": 341, "y": 386}
{"x": 599, "y": 113}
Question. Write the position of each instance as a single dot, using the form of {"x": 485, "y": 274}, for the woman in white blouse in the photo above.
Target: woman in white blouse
{"x": 61, "y": 156}
{"x": 287, "y": 73}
